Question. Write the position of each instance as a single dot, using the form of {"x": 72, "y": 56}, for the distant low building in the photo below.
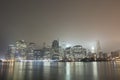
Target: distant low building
{"x": 115, "y": 54}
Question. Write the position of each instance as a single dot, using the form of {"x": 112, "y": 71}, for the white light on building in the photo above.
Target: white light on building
{"x": 68, "y": 45}
{"x": 93, "y": 49}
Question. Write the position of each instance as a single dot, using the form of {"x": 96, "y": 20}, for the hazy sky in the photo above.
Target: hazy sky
{"x": 72, "y": 21}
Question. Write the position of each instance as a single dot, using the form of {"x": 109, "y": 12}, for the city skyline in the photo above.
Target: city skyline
{"x": 59, "y": 40}
{"x": 76, "y": 22}
{"x": 23, "y": 50}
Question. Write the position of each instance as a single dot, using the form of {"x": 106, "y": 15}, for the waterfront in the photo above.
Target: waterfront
{"x": 60, "y": 71}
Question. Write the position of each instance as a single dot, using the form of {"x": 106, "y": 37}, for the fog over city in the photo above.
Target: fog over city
{"x": 72, "y": 22}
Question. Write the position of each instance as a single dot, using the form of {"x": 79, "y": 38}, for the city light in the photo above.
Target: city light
{"x": 55, "y": 52}
{"x": 93, "y": 49}
{"x": 68, "y": 45}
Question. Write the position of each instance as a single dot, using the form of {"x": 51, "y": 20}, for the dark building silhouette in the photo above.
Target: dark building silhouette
{"x": 55, "y": 46}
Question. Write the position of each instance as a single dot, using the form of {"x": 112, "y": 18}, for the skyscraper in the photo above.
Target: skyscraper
{"x": 11, "y": 52}
{"x": 98, "y": 48}
{"x": 55, "y": 46}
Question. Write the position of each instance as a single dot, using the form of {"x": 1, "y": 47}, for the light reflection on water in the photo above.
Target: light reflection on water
{"x": 60, "y": 71}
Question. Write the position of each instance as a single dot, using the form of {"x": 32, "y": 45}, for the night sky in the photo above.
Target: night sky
{"x": 70, "y": 21}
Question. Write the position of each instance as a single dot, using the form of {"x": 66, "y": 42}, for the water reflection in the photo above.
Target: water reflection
{"x": 67, "y": 71}
{"x": 95, "y": 74}
{"x": 60, "y": 71}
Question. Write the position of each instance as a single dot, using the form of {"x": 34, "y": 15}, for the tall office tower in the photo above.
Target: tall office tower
{"x": 21, "y": 47}
{"x": 98, "y": 48}
{"x": 55, "y": 46}
{"x": 11, "y": 52}
{"x": 30, "y": 48}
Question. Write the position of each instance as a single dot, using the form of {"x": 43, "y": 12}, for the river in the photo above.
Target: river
{"x": 60, "y": 71}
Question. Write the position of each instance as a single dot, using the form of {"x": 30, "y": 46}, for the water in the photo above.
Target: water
{"x": 60, "y": 71}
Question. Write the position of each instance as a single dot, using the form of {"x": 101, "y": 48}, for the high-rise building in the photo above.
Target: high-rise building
{"x": 55, "y": 46}
{"x": 98, "y": 48}
{"x": 30, "y": 48}
{"x": 77, "y": 51}
{"x": 21, "y": 47}
{"x": 11, "y": 52}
